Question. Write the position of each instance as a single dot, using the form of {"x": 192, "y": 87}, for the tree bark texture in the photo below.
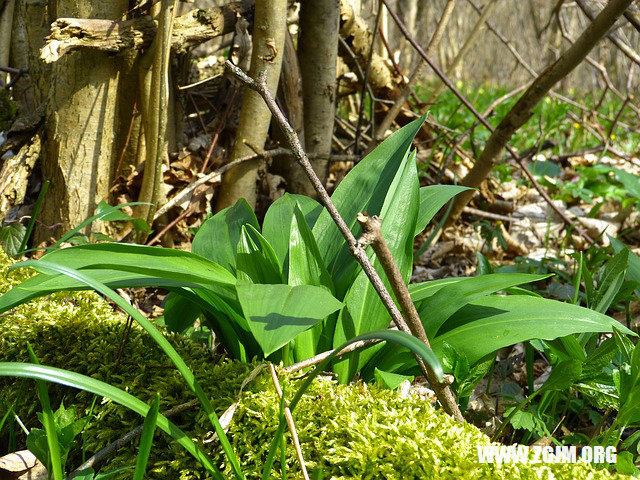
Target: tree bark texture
{"x": 318, "y": 54}
{"x": 269, "y": 29}
{"x": 523, "y": 109}
{"x": 80, "y": 126}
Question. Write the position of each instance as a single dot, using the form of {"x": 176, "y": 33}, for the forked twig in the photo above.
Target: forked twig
{"x": 443, "y": 392}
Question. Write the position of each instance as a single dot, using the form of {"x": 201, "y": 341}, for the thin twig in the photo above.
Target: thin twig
{"x": 443, "y": 393}
{"x": 309, "y": 362}
{"x": 217, "y": 174}
{"x": 487, "y": 125}
{"x": 292, "y": 426}
{"x": 102, "y": 454}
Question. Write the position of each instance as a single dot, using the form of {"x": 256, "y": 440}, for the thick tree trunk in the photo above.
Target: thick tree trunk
{"x": 266, "y": 58}
{"x": 81, "y": 126}
{"x": 318, "y": 53}
{"x": 523, "y": 109}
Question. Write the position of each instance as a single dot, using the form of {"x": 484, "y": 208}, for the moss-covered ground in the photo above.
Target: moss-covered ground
{"x": 357, "y": 431}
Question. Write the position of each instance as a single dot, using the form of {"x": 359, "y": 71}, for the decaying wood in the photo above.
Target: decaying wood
{"x": 193, "y": 28}
{"x": 355, "y": 32}
{"x": 15, "y": 173}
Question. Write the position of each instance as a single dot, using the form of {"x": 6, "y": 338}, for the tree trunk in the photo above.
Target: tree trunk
{"x": 318, "y": 53}
{"x": 81, "y": 126}
{"x": 268, "y": 43}
{"x": 523, "y": 109}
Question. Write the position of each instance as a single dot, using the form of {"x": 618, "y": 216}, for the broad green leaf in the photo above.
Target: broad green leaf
{"x": 364, "y": 189}
{"x": 450, "y": 298}
{"x": 611, "y": 280}
{"x": 364, "y": 310}
{"x": 218, "y": 237}
{"x": 118, "y": 215}
{"x": 180, "y": 313}
{"x": 256, "y": 260}
{"x": 119, "y": 266}
{"x": 633, "y": 273}
{"x": 146, "y": 440}
{"x": 492, "y": 322}
{"x": 631, "y": 182}
{"x": 277, "y": 221}
{"x": 423, "y": 290}
{"x": 564, "y": 375}
{"x": 432, "y": 199}
{"x": 307, "y": 268}
{"x": 88, "y": 384}
{"x": 389, "y": 380}
{"x": 278, "y": 313}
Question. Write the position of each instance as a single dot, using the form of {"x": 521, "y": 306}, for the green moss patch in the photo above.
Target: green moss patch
{"x": 357, "y": 431}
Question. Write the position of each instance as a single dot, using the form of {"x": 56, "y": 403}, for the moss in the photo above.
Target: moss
{"x": 351, "y": 431}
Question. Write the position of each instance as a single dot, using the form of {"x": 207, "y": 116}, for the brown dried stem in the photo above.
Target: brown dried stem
{"x": 292, "y": 426}
{"x": 443, "y": 393}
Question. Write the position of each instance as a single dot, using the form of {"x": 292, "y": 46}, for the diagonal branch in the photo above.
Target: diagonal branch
{"x": 443, "y": 392}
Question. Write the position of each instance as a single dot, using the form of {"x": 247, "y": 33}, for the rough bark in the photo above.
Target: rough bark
{"x": 80, "y": 126}
{"x": 14, "y": 175}
{"x": 523, "y": 109}
{"x": 268, "y": 45}
{"x": 318, "y": 53}
{"x": 193, "y": 28}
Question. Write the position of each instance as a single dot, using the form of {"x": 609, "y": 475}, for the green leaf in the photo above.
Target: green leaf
{"x": 364, "y": 310}
{"x": 633, "y": 273}
{"x": 102, "y": 213}
{"x": 218, "y": 237}
{"x": 564, "y": 375}
{"x": 389, "y": 380}
{"x": 451, "y": 298}
{"x": 88, "y": 384}
{"x": 53, "y": 458}
{"x": 307, "y": 268}
{"x": 277, "y": 221}
{"x": 11, "y": 236}
{"x": 120, "y": 266}
{"x": 432, "y": 199}
{"x": 501, "y": 321}
{"x": 364, "y": 189}
{"x": 256, "y": 260}
{"x": 278, "y": 313}
{"x": 139, "y": 224}
{"x": 611, "y": 281}
{"x": 180, "y": 313}
{"x": 146, "y": 439}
